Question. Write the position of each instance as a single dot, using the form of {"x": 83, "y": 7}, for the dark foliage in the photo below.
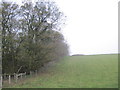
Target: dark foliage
{"x": 31, "y": 36}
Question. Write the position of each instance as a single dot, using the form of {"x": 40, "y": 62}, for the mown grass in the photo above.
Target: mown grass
{"x": 95, "y": 71}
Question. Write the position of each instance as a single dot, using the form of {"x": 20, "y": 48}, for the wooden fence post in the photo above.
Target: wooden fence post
{"x": 9, "y": 79}
{"x": 4, "y": 75}
{"x": 16, "y": 78}
{"x": 21, "y": 75}
{"x": 36, "y": 72}
{"x": 30, "y": 73}
{"x": 25, "y": 74}
{"x": 1, "y": 78}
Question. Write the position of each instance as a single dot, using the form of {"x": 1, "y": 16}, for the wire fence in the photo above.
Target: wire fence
{"x": 9, "y": 79}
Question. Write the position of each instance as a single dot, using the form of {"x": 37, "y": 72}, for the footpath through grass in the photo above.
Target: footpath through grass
{"x": 95, "y": 71}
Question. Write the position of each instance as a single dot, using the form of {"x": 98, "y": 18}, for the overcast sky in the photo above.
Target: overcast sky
{"x": 91, "y": 27}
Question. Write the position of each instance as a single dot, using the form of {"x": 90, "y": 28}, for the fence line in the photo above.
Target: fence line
{"x": 15, "y": 77}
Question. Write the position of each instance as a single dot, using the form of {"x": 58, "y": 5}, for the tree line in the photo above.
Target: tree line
{"x": 31, "y": 35}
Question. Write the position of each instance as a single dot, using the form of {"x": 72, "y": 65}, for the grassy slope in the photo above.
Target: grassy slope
{"x": 97, "y": 71}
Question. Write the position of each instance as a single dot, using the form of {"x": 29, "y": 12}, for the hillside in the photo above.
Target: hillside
{"x": 95, "y": 71}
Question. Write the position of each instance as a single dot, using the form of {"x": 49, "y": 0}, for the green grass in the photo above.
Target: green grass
{"x": 95, "y": 71}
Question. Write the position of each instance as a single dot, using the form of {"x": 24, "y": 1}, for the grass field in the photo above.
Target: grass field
{"x": 94, "y": 71}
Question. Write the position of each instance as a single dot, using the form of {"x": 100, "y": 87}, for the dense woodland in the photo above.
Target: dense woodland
{"x": 31, "y": 35}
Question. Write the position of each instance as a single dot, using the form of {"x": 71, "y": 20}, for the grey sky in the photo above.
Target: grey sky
{"x": 92, "y": 25}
